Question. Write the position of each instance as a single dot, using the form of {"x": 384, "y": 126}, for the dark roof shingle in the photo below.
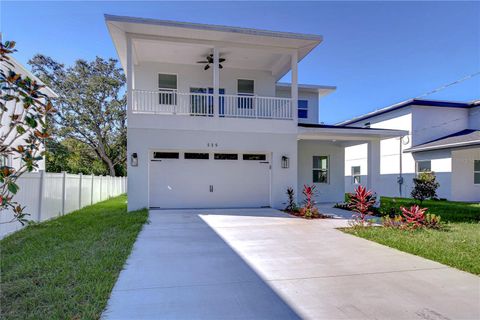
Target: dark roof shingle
{"x": 467, "y": 137}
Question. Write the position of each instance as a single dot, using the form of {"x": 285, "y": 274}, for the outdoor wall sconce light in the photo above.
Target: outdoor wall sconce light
{"x": 285, "y": 162}
{"x": 134, "y": 160}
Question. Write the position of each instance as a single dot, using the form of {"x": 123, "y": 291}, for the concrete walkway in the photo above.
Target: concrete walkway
{"x": 264, "y": 264}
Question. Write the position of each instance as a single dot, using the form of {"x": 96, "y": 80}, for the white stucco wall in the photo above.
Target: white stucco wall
{"x": 143, "y": 140}
{"x": 389, "y": 155}
{"x": 463, "y": 188}
{"x": 429, "y": 123}
{"x": 474, "y": 118}
{"x": 334, "y": 190}
{"x": 313, "y": 103}
{"x": 355, "y": 156}
{"x": 146, "y": 77}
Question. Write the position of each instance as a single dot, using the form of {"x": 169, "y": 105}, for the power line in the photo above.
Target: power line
{"x": 449, "y": 85}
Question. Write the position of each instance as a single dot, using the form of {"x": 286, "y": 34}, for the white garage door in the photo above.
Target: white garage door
{"x": 209, "y": 180}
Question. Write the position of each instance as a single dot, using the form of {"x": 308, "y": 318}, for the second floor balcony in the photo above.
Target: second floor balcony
{"x": 173, "y": 102}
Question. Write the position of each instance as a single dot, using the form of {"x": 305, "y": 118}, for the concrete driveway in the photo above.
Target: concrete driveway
{"x": 263, "y": 264}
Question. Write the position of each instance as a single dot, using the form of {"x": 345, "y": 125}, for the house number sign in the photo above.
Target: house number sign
{"x": 212, "y": 144}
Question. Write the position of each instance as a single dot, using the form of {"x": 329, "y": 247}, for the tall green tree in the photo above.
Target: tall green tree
{"x": 73, "y": 156}
{"x": 91, "y": 107}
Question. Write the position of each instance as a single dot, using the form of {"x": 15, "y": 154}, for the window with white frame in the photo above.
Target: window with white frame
{"x": 424, "y": 166}
{"x": 167, "y": 86}
{"x": 320, "y": 169}
{"x": 246, "y": 90}
{"x": 476, "y": 171}
{"x": 302, "y": 109}
{"x": 4, "y": 161}
{"x": 356, "y": 177}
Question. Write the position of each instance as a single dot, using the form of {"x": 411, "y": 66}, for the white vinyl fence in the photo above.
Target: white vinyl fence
{"x": 50, "y": 195}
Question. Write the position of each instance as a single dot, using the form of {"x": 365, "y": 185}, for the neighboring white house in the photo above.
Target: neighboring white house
{"x": 444, "y": 137}
{"x": 210, "y": 126}
{"x": 13, "y": 161}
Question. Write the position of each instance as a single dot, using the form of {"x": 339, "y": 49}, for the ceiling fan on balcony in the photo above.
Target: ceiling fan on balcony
{"x": 209, "y": 60}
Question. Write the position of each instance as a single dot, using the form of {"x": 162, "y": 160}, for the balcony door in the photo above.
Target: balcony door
{"x": 201, "y": 101}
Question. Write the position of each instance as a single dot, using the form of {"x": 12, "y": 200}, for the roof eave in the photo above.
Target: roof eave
{"x": 211, "y": 27}
{"x": 406, "y": 103}
{"x": 442, "y": 147}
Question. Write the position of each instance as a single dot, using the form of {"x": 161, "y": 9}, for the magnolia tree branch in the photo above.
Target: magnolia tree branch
{"x": 24, "y": 108}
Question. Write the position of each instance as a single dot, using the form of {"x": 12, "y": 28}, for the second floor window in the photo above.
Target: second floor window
{"x": 320, "y": 169}
{"x": 302, "y": 109}
{"x": 476, "y": 171}
{"x": 356, "y": 178}
{"x": 167, "y": 85}
{"x": 424, "y": 166}
{"x": 245, "y": 89}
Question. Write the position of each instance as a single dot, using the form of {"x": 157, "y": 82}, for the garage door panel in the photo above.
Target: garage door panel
{"x": 247, "y": 184}
{"x": 181, "y": 183}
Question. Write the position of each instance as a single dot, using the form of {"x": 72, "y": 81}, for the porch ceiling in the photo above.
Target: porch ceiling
{"x": 180, "y": 42}
{"x": 184, "y": 53}
{"x": 344, "y": 134}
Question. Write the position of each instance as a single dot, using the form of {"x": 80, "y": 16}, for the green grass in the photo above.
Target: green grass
{"x": 457, "y": 245}
{"x": 66, "y": 268}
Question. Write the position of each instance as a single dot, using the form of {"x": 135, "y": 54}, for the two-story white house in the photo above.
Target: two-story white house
{"x": 444, "y": 138}
{"x": 209, "y": 125}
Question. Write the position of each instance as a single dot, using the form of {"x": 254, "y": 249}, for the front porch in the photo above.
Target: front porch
{"x": 203, "y": 70}
{"x": 321, "y": 158}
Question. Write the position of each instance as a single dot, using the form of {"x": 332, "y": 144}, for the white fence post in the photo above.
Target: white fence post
{"x": 91, "y": 190}
{"x": 100, "y": 192}
{"x": 40, "y": 195}
{"x": 64, "y": 177}
{"x": 80, "y": 176}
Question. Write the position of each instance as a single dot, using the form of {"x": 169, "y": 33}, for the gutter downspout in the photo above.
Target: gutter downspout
{"x": 400, "y": 176}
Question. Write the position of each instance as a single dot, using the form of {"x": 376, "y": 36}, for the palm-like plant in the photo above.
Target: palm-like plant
{"x": 361, "y": 202}
{"x": 415, "y": 216}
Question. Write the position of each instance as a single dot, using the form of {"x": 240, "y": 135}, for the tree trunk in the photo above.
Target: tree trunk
{"x": 103, "y": 155}
{"x": 111, "y": 168}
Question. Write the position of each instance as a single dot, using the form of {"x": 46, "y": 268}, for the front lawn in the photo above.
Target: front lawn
{"x": 66, "y": 268}
{"x": 457, "y": 245}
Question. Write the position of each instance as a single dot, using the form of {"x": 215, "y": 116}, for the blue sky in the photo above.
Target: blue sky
{"x": 376, "y": 53}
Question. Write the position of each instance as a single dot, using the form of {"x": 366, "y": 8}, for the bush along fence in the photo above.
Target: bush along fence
{"x": 50, "y": 195}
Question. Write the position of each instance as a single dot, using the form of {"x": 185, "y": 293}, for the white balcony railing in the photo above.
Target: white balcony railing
{"x": 201, "y": 104}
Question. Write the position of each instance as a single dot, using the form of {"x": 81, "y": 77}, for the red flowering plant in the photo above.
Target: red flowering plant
{"x": 361, "y": 202}
{"x": 309, "y": 209}
{"x": 413, "y": 218}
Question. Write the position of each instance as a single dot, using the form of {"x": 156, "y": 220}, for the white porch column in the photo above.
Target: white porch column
{"x": 216, "y": 81}
{"x": 129, "y": 74}
{"x": 373, "y": 165}
{"x": 294, "y": 86}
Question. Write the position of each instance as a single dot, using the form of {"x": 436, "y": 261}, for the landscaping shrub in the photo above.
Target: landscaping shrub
{"x": 309, "y": 209}
{"x": 390, "y": 209}
{"x": 413, "y": 218}
{"x": 362, "y": 202}
{"x": 291, "y": 204}
{"x": 425, "y": 187}
{"x": 432, "y": 221}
